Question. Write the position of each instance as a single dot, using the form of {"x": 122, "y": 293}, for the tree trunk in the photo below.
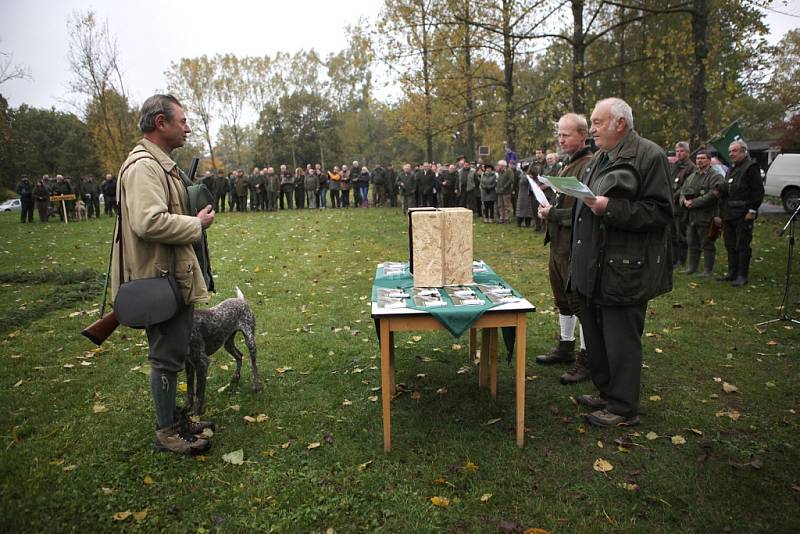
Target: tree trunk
{"x": 508, "y": 77}
{"x": 578, "y": 59}
{"x": 698, "y": 95}
{"x": 426, "y": 80}
{"x": 470, "y": 99}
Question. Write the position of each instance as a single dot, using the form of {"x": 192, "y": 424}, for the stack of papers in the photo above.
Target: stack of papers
{"x": 393, "y": 268}
{"x": 463, "y": 296}
{"x": 427, "y": 298}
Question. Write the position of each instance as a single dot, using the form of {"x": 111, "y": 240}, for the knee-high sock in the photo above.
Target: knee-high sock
{"x": 164, "y": 388}
{"x": 567, "y": 323}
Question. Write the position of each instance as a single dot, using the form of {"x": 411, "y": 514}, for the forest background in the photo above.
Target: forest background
{"x": 469, "y": 73}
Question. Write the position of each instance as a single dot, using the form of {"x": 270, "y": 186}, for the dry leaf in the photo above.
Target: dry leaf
{"x": 416, "y": 338}
{"x": 629, "y": 486}
{"x": 182, "y": 387}
{"x": 234, "y": 458}
{"x": 347, "y": 402}
{"x": 599, "y": 444}
{"x": 373, "y": 398}
{"x": 659, "y": 351}
{"x": 314, "y": 445}
{"x": 139, "y": 516}
{"x": 491, "y": 421}
{"x": 223, "y": 388}
{"x": 696, "y": 431}
{"x": 729, "y": 388}
{"x": 148, "y": 480}
{"x": 485, "y": 497}
{"x": 286, "y": 445}
{"x": 121, "y": 516}
{"x": 249, "y": 419}
{"x": 655, "y": 398}
{"x": 581, "y": 429}
{"x": 99, "y": 408}
{"x": 441, "y": 391}
{"x": 420, "y": 375}
{"x": 260, "y": 418}
{"x": 602, "y": 466}
{"x": 772, "y": 342}
{"x": 678, "y": 440}
{"x": 282, "y": 370}
{"x": 470, "y": 466}
{"x": 455, "y": 346}
{"x": 69, "y": 468}
{"x": 442, "y": 502}
{"x": 68, "y": 366}
{"x": 651, "y": 435}
{"x": 416, "y": 395}
{"x": 363, "y": 466}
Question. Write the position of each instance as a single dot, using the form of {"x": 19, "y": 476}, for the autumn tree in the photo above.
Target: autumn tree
{"x": 94, "y": 60}
{"x": 192, "y": 81}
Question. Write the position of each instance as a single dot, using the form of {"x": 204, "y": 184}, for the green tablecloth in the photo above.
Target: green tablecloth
{"x": 456, "y": 319}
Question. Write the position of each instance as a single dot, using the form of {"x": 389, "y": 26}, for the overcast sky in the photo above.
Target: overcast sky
{"x": 152, "y": 33}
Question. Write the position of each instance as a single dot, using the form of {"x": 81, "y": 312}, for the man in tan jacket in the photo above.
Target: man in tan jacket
{"x": 157, "y": 233}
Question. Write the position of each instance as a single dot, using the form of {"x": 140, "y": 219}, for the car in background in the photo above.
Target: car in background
{"x": 783, "y": 180}
{"x": 12, "y": 204}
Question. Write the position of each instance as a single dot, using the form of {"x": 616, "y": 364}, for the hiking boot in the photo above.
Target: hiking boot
{"x": 592, "y": 401}
{"x": 176, "y": 438}
{"x": 564, "y": 353}
{"x": 578, "y": 372}
{"x": 606, "y": 419}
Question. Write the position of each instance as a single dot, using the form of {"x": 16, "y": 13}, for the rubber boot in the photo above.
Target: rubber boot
{"x": 744, "y": 270}
{"x": 708, "y": 262}
{"x": 733, "y": 268}
{"x": 563, "y": 353}
{"x": 693, "y": 262}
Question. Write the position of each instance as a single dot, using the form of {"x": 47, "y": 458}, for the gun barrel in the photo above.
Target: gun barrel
{"x": 98, "y": 331}
{"x": 193, "y": 168}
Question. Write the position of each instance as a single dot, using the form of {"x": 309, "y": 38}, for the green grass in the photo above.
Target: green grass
{"x": 308, "y": 276}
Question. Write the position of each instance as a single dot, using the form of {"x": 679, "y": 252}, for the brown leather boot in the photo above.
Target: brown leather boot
{"x": 579, "y": 371}
{"x": 177, "y": 438}
{"x": 564, "y": 353}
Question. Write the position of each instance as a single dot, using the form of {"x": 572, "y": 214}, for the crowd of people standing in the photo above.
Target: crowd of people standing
{"x": 87, "y": 193}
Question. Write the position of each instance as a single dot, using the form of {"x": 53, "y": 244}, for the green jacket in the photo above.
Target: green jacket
{"x": 559, "y": 220}
{"x": 624, "y": 257}
{"x": 488, "y": 186}
{"x": 505, "y": 182}
{"x": 407, "y": 184}
{"x": 699, "y": 187}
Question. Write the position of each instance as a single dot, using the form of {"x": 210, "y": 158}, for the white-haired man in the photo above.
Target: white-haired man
{"x": 745, "y": 192}
{"x": 620, "y": 257}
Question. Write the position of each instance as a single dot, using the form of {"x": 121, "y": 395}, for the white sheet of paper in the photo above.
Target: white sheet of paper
{"x": 538, "y": 193}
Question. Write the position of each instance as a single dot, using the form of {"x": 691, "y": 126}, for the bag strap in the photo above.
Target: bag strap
{"x": 118, "y": 239}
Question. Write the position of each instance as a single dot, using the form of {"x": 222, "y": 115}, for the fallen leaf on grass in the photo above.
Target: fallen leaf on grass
{"x": 68, "y": 366}
{"x": 314, "y": 445}
{"x": 182, "y": 387}
{"x": 363, "y": 466}
{"x": 249, "y": 419}
{"x": 347, "y": 402}
{"x": 485, "y": 497}
{"x": 122, "y": 516}
{"x": 99, "y": 408}
{"x": 599, "y": 444}
{"x": 651, "y": 435}
{"x": 373, "y": 398}
{"x": 629, "y": 486}
{"x": 281, "y": 370}
{"x": 729, "y": 388}
{"x": 602, "y": 466}
{"x": 491, "y": 421}
{"x": 441, "y": 502}
{"x": 416, "y": 338}
{"x": 234, "y": 458}
{"x": 659, "y": 351}
{"x": 470, "y": 466}
{"x": 416, "y": 395}
{"x": 696, "y": 431}
{"x": 286, "y": 445}
{"x": 733, "y": 414}
{"x": 455, "y": 346}
{"x": 678, "y": 440}
{"x": 106, "y": 491}
{"x": 441, "y": 391}
{"x": 148, "y": 480}
{"x": 223, "y": 388}
{"x": 655, "y": 398}
{"x": 772, "y": 342}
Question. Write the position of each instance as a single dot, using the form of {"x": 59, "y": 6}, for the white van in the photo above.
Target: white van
{"x": 783, "y": 180}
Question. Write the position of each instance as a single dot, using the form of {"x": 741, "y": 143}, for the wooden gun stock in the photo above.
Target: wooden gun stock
{"x": 98, "y": 331}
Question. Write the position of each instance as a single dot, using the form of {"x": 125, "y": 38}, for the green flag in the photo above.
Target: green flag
{"x": 721, "y": 143}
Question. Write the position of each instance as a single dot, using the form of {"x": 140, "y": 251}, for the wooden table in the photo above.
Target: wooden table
{"x": 394, "y": 320}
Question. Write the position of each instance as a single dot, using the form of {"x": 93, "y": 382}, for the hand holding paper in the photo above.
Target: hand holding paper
{"x": 538, "y": 193}
{"x": 569, "y": 185}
